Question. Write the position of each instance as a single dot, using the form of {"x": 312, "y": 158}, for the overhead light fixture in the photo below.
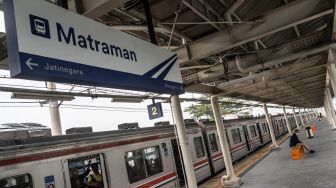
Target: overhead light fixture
{"x": 41, "y": 96}
{"x": 127, "y": 100}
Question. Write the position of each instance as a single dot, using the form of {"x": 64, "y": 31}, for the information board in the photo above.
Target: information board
{"x": 49, "y": 43}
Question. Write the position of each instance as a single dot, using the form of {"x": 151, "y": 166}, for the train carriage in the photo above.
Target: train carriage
{"x": 145, "y": 157}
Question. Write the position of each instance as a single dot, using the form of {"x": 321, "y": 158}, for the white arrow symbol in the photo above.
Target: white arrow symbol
{"x": 30, "y": 64}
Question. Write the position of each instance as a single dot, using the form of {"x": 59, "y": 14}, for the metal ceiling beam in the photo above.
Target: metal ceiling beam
{"x": 271, "y": 23}
{"x": 95, "y": 9}
{"x": 279, "y": 72}
{"x": 308, "y": 73}
{"x": 313, "y": 100}
{"x": 270, "y": 84}
{"x": 212, "y": 10}
{"x": 334, "y": 23}
{"x": 289, "y": 97}
{"x": 139, "y": 15}
{"x": 294, "y": 92}
{"x": 297, "y": 32}
{"x": 202, "y": 89}
{"x": 239, "y": 19}
{"x": 285, "y": 88}
{"x": 200, "y": 14}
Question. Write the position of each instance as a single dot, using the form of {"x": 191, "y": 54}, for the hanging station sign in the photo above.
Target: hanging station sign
{"x": 49, "y": 43}
{"x": 155, "y": 110}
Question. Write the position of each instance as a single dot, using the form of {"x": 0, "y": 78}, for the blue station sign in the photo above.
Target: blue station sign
{"x": 49, "y": 43}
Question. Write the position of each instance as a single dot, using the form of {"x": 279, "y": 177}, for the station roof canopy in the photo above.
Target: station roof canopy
{"x": 268, "y": 51}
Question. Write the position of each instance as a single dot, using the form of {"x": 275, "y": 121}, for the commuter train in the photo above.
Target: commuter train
{"x": 144, "y": 157}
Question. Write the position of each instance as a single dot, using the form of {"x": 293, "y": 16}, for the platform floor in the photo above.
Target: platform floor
{"x": 317, "y": 170}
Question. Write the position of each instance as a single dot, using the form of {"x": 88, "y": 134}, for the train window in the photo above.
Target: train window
{"x": 213, "y": 142}
{"x": 264, "y": 128}
{"x": 20, "y": 181}
{"x": 253, "y": 131}
{"x": 86, "y": 170}
{"x": 236, "y": 138}
{"x": 153, "y": 160}
{"x": 143, "y": 163}
{"x": 199, "y": 147}
{"x": 282, "y": 123}
{"x": 135, "y": 166}
{"x": 275, "y": 122}
{"x": 279, "y": 123}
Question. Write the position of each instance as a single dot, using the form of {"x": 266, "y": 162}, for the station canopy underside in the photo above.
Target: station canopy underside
{"x": 267, "y": 51}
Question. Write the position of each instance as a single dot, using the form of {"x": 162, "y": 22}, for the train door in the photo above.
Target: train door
{"x": 178, "y": 163}
{"x": 276, "y": 128}
{"x": 246, "y": 137}
{"x": 208, "y": 147}
{"x": 260, "y": 134}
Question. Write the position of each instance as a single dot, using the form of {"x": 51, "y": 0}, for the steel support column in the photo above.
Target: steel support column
{"x": 326, "y": 110}
{"x": 296, "y": 119}
{"x": 56, "y": 127}
{"x": 270, "y": 126}
{"x": 331, "y": 70}
{"x": 328, "y": 113}
{"x": 149, "y": 21}
{"x": 305, "y": 113}
{"x": 301, "y": 118}
{"x": 230, "y": 179}
{"x": 287, "y": 122}
{"x": 331, "y": 105}
{"x": 183, "y": 140}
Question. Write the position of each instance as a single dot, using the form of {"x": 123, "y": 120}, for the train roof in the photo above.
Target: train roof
{"x": 10, "y": 145}
{"x": 21, "y": 126}
{"x": 14, "y": 144}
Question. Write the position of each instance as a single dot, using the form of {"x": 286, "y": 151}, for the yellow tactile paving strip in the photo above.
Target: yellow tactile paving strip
{"x": 241, "y": 166}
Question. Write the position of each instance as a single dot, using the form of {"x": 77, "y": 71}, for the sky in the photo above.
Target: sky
{"x": 105, "y": 118}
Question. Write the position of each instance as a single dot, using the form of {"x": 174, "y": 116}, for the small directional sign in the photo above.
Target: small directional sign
{"x": 155, "y": 110}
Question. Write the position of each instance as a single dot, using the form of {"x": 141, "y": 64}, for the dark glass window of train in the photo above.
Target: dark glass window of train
{"x": 236, "y": 138}
{"x": 82, "y": 168}
{"x": 199, "y": 147}
{"x": 264, "y": 128}
{"x": 253, "y": 131}
{"x": 20, "y": 181}
{"x": 213, "y": 142}
{"x": 143, "y": 163}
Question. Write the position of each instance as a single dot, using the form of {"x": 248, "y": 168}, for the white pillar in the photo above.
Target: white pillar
{"x": 270, "y": 126}
{"x": 56, "y": 127}
{"x": 230, "y": 179}
{"x": 331, "y": 73}
{"x": 305, "y": 114}
{"x": 327, "y": 112}
{"x": 287, "y": 122}
{"x": 331, "y": 106}
{"x": 296, "y": 120}
{"x": 308, "y": 116}
{"x": 312, "y": 114}
{"x": 301, "y": 118}
{"x": 182, "y": 136}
